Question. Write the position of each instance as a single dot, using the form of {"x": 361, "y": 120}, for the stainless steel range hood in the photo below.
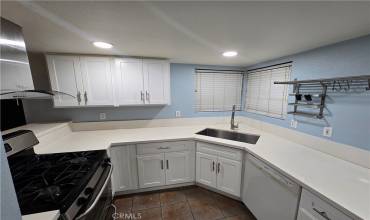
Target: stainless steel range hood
{"x": 15, "y": 76}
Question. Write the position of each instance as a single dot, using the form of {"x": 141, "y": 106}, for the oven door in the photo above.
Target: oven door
{"x": 99, "y": 208}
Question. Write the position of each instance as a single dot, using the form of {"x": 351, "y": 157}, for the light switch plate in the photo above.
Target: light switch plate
{"x": 102, "y": 116}
{"x": 178, "y": 114}
{"x": 293, "y": 123}
{"x": 327, "y": 131}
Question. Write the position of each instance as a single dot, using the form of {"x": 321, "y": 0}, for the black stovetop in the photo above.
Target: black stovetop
{"x": 52, "y": 181}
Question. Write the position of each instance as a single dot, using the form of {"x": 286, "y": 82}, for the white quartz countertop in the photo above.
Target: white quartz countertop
{"x": 51, "y": 215}
{"x": 341, "y": 183}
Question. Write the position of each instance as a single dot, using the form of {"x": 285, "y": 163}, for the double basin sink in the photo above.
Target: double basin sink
{"x": 230, "y": 135}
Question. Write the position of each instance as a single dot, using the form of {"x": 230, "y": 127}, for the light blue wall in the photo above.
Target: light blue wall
{"x": 349, "y": 115}
{"x": 9, "y": 208}
{"x": 182, "y": 98}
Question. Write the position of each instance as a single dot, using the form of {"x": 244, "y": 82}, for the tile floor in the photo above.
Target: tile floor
{"x": 185, "y": 203}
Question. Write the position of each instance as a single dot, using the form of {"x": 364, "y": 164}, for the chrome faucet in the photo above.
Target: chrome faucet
{"x": 233, "y": 126}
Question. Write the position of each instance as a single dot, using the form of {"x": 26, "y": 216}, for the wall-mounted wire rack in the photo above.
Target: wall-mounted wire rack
{"x": 311, "y": 94}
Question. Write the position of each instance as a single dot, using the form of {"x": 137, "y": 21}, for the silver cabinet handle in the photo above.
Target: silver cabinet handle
{"x": 163, "y": 148}
{"x": 322, "y": 213}
{"x": 218, "y": 168}
{"x": 213, "y": 166}
{"x": 79, "y": 97}
{"x": 142, "y": 96}
{"x": 85, "y": 96}
{"x": 161, "y": 164}
{"x": 167, "y": 164}
{"x": 147, "y": 96}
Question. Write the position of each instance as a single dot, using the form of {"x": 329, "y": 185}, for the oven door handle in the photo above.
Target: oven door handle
{"x": 99, "y": 194}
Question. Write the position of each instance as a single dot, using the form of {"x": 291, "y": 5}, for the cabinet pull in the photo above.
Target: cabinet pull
{"x": 85, "y": 96}
{"x": 163, "y": 148}
{"x": 213, "y": 166}
{"x": 218, "y": 168}
{"x": 322, "y": 213}
{"x": 78, "y": 97}
{"x": 162, "y": 164}
{"x": 147, "y": 96}
{"x": 167, "y": 164}
{"x": 142, "y": 96}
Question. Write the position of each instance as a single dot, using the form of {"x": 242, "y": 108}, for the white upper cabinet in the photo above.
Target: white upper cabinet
{"x": 108, "y": 81}
{"x": 97, "y": 80}
{"x": 65, "y": 76}
{"x": 129, "y": 81}
{"x": 142, "y": 81}
{"x": 156, "y": 81}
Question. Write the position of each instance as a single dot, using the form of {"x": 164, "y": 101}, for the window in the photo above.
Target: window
{"x": 263, "y": 96}
{"x": 218, "y": 90}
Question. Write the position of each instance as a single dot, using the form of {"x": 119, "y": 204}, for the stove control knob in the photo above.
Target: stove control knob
{"x": 81, "y": 201}
{"x": 88, "y": 191}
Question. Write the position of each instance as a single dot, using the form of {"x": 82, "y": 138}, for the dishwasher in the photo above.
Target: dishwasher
{"x": 268, "y": 194}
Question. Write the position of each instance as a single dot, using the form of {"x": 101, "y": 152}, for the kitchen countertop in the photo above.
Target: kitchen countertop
{"x": 51, "y": 215}
{"x": 341, "y": 183}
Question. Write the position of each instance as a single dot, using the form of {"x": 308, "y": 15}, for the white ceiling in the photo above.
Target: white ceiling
{"x": 189, "y": 32}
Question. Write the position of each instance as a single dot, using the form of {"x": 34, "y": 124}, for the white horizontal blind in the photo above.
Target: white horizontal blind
{"x": 263, "y": 96}
{"x": 218, "y": 90}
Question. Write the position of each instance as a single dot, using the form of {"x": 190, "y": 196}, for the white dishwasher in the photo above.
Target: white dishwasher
{"x": 268, "y": 194}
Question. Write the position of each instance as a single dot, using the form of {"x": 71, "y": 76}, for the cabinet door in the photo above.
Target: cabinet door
{"x": 129, "y": 81}
{"x": 124, "y": 168}
{"x": 303, "y": 214}
{"x": 229, "y": 176}
{"x": 206, "y": 169}
{"x": 177, "y": 167}
{"x": 97, "y": 79}
{"x": 156, "y": 81}
{"x": 151, "y": 170}
{"x": 65, "y": 76}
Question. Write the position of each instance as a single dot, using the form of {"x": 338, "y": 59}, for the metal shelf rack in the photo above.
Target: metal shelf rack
{"x": 318, "y": 88}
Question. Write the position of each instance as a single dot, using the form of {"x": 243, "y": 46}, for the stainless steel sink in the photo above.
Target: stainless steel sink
{"x": 230, "y": 135}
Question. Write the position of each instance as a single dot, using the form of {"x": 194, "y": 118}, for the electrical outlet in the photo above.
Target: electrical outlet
{"x": 178, "y": 114}
{"x": 293, "y": 123}
{"x": 327, "y": 131}
{"x": 102, "y": 116}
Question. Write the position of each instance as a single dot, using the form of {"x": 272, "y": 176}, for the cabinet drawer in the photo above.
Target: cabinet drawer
{"x": 221, "y": 151}
{"x": 312, "y": 207}
{"x": 160, "y": 147}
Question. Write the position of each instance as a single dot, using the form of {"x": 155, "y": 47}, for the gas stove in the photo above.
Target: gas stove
{"x": 69, "y": 182}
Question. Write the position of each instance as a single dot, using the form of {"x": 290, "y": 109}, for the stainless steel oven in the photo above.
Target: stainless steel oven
{"x": 98, "y": 206}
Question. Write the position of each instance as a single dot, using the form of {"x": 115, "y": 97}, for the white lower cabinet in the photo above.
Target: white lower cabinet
{"x": 312, "y": 207}
{"x": 206, "y": 168}
{"x": 165, "y": 163}
{"x": 213, "y": 169}
{"x": 229, "y": 176}
{"x": 151, "y": 170}
{"x": 124, "y": 175}
{"x": 177, "y": 167}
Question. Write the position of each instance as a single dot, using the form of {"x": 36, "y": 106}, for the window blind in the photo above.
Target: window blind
{"x": 263, "y": 96}
{"x": 218, "y": 90}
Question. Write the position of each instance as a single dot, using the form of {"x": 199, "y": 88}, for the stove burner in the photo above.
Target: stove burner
{"x": 52, "y": 181}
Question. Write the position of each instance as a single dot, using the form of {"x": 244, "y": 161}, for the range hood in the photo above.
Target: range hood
{"x": 15, "y": 76}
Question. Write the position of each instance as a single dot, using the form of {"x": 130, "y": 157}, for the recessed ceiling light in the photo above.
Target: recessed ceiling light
{"x": 102, "y": 45}
{"x": 229, "y": 54}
